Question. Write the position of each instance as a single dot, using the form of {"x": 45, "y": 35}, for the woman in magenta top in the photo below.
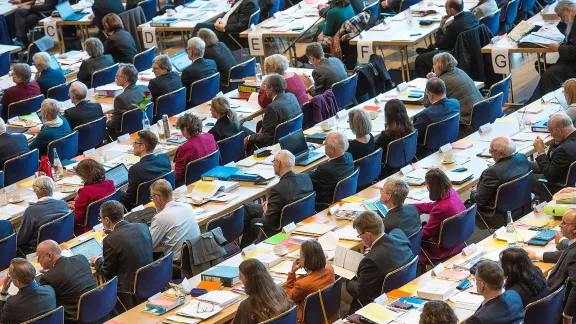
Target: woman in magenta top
{"x": 279, "y": 64}
{"x": 445, "y": 203}
{"x": 198, "y": 145}
{"x": 96, "y": 187}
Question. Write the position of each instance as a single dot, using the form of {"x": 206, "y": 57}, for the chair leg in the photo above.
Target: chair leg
{"x": 427, "y": 258}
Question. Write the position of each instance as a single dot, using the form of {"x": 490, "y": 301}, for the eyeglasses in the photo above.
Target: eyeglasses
{"x": 134, "y": 143}
{"x": 360, "y": 235}
{"x": 206, "y": 309}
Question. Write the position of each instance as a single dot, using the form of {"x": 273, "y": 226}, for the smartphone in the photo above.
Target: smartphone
{"x": 416, "y": 34}
{"x": 414, "y": 95}
{"x": 464, "y": 284}
{"x": 537, "y": 242}
{"x": 459, "y": 170}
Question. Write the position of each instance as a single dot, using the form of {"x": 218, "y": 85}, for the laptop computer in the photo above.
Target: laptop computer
{"x": 118, "y": 174}
{"x": 56, "y": 65}
{"x": 67, "y": 13}
{"x": 296, "y": 144}
{"x": 559, "y": 95}
{"x": 89, "y": 248}
{"x": 180, "y": 61}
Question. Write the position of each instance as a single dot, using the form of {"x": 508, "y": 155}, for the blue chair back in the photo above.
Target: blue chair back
{"x": 527, "y": 6}
{"x": 20, "y": 167}
{"x": 93, "y": 209}
{"x": 143, "y": 190}
{"x": 514, "y": 194}
{"x": 4, "y": 34}
{"x": 60, "y": 230}
{"x": 323, "y": 302}
{"x": 486, "y": 111}
{"x": 345, "y": 91}
{"x": 346, "y": 187}
{"x": 457, "y": 229}
{"x": 153, "y": 278}
{"x": 67, "y": 147}
{"x": 195, "y": 169}
{"x": 91, "y": 135}
{"x": 1, "y": 179}
{"x": 278, "y": 5}
{"x": 25, "y": 107}
{"x": 369, "y": 168}
{"x": 104, "y": 76}
{"x": 4, "y": 63}
{"x": 416, "y": 241}
{"x": 98, "y": 302}
{"x": 298, "y": 210}
{"x": 441, "y": 133}
{"x": 571, "y": 176}
{"x": 285, "y": 128}
{"x": 59, "y": 92}
{"x": 143, "y": 61}
{"x": 492, "y": 21}
{"x": 231, "y": 226}
{"x": 170, "y": 104}
{"x": 405, "y": 4}
{"x": 132, "y": 120}
{"x": 231, "y": 148}
{"x": 254, "y": 18}
{"x": 149, "y": 8}
{"x": 204, "y": 90}
{"x": 55, "y": 316}
{"x": 547, "y": 310}
{"x": 7, "y": 251}
{"x": 400, "y": 276}
{"x": 501, "y": 86}
{"x": 511, "y": 13}
{"x": 240, "y": 71}
{"x": 288, "y": 317}
{"x": 402, "y": 151}
{"x": 373, "y": 8}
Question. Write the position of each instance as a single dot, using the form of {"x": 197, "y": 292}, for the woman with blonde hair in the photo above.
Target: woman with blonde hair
{"x": 226, "y": 119}
{"x": 570, "y": 95}
{"x": 279, "y": 64}
{"x": 361, "y": 126}
{"x": 219, "y": 52}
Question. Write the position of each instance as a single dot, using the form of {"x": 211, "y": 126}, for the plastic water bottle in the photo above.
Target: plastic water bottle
{"x": 511, "y": 233}
{"x": 409, "y": 16}
{"x": 58, "y": 169}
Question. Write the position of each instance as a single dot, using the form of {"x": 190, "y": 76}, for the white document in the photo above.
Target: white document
{"x": 329, "y": 241}
{"x": 365, "y": 48}
{"x": 346, "y": 262}
{"x": 410, "y": 317}
{"x": 246, "y": 163}
{"x": 72, "y": 181}
{"x": 199, "y": 309}
{"x": 266, "y": 174}
{"x": 353, "y": 207}
{"x": 347, "y": 233}
{"x": 256, "y": 44}
{"x": 500, "y": 60}
{"x": 116, "y": 151}
{"x": 12, "y": 210}
{"x": 465, "y": 297}
{"x": 458, "y": 176}
{"x": 51, "y": 30}
{"x": 149, "y": 37}
{"x": 285, "y": 267}
{"x": 315, "y": 229}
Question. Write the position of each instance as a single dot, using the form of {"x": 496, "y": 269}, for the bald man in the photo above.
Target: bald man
{"x": 509, "y": 165}
{"x": 551, "y": 169}
{"x": 70, "y": 277}
{"x": 84, "y": 111}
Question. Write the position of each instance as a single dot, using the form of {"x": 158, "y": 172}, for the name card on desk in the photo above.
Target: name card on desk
{"x": 406, "y": 169}
{"x": 500, "y": 60}
{"x": 249, "y": 249}
{"x": 402, "y": 86}
{"x": 98, "y": 228}
{"x": 149, "y": 37}
{"x": 470, "y": 249}
{"x": 548, "y": 97}
{"x": 51, "y": 30}
{"x": 381, "y": 299}
{"x": 89, "y": 152}
{"x": 445, "y": 148}
{"x": 289, "y": 228}
{"x": 438, "y": 269}
{"x": 341, "y": 114}
{"x": 123, "y": 138}
{"x": 485, "y": 128}
{"x": 365, "y": 48}
{"x": 10, "y": 188}
{"x": 540, "y": 207}
{"x": 137, "y": 208}
{"x": 179, "y": 8}
{"x": 256, "y": 44}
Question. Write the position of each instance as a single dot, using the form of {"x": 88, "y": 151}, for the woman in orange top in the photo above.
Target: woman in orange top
{"x": 319, "y": 275}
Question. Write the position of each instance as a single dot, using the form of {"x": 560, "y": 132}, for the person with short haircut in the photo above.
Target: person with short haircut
{"x": 397, "y": 125}
{"x": 523, "y": 276}
{"x": 101, "y": 8}
{"x": 499, "y": 306}
{"x": 361, "y": 126}
{"x": 32, "y": 300}
{"x": 120, "y": 44}
{"x": 227, "y": 123}
{"x": 340, "y": 11}
{"x": 166, "y": 80}
{"x": 219, "y": 52}
{"x": 569, "y": 88}
{"x": 84, "y": 110}
{"x": 28, "y": 15}
{"x": 96, "y": 187}
{"x": 327, "y": 71}
{"x": 11, "y": 145}
{"x": 484, "y": 8}
{"x": 319, "y": 275}
{"x": 54, "y": 127}
{"x": 200, "y": 68}
{"x": 388, "y": 252}
{"x": 46, "y": 76}
{"x": 278, "y": 63}
{"x": 405, "y": 217}
{"x": 150, "y": 166}
{"x": 24, "y": 89}
{"x": 438, "y": 312}
{"x": 197, "y": 145}
{"x": 98, "y": 60}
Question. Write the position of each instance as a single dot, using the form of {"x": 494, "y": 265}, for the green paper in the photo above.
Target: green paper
{"x": 277, "y": 238}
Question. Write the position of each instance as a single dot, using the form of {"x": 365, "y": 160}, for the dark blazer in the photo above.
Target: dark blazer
{"x": 387, "y": 254}
{"x": 326, "y": 73}
{"x": 50, "y": 78}
{"x": 567, "y": 50}
{"x": 121, "y": 46}
{"x": 526, "y": 295}
{"x": 30, "y": 301}
{"x": 438, "y": 111}
{"x": 565, "y": 268}
{"x": 289, "y": 188}
{"x": 446, "y": 40}
{"x": 164, "y": 84}
{"x": 70, "y": 278}
{"x": 555, "y": 164}
{"x": 224, "y": 128}
{"x": 133, "y": 94}
{"x": 504, "y": 309}
{"x": 46, "y": 8}
{"x": 360, "y": 150}
{"x": 101, "y": 8}
{"x": 150, "y": 167}
{"x": 84, "y": 112}
{"x": 223, "y": 58}
{"x": 239, "y": 19}
{"x": 404, "y": 217}
{"x": 125, "y": 250}
{"x": 198, "y": 70}
{"x": 93, "y": 64}
{"x": 327, "y": 175}
{"x": 11, "y": 145}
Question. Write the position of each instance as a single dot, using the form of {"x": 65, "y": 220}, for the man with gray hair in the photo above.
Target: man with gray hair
{"x": 200, "y": 68}
{"x": 405, "y": 217}
{"x": 84, "y": 111}
{"x": 11, "y": 145}
{"x": 166, "y": 80}
{"x": 54, "y": 127}
{"x": 97, "y": 61}
{"x": 24, "y": 89}
{"x": 46, "y": 76}
{"x": 261, "y": 221}
{"x": 509, "y": 166}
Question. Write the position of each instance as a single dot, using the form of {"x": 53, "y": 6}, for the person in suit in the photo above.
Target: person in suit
{"x": 284, "y": 106}
{"x": 327, "y": 71}
{"x": 508, "y": 166}
{"x": 120, "y": 44}
{"x": 150, "y": 166}
{"x": 397, "y": 125}
{"x": 70, "y": 277}
{"x": 23, "y": 89}
{"x": 445, "y": 36}
{"x": 329, "y": 173}
{"x": 97, "y": 61}
{"x": 84, "y": 110}
{"x": 11, "y": 145}
{"x": 436, "y": 312}
{"x": 219, "y": 52}
{"x": 278, "y": 63}
{"x": 166, "y": 80}
{"x": 46, "y": 77}
{"x": 405, "y": 217}
{"x": 388, "y": 252}
{"x": 54, "y": 127}
{"x": 200, "y": 68}
{"x": 319, "y": 275}
{"x": 499, "y": 306}
{"x": 226, "y": 119}
{"x": 554, "y": 166}
{"x": 289, "y": 188}
{"x": 522, "y": 276}
{"x": 101, "y": 8}
{"x": 126, "y": 248}
{"x": 361, "y": 126}
{"x": 32, "y": 300}
{"x": 27, "y": 17}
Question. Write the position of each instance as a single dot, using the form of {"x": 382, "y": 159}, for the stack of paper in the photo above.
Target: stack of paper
{"x": 437, "y": 289}
{"x": 198, "y": 309}
{"x": 346, "y": 262}
{"x": 220, "y": 298}
{"x": 285, "y": 267}
{"x": 377, "y": 313}
{"x": 314, "y": 229}
{"x": 347, "y": 233}
{"x": 10, "y": 211}
{"x": 468, "y": 298}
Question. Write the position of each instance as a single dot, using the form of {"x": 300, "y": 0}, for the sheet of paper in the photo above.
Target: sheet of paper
{"x": 467, "y": 298}
{"x": 410, "y": 317}
{"x": 346, "y": 262}
{"x": 285, "y": 267}
{"x": 329, "y": 241}
{"x": 377, "y": 313}
{"x": 72, "y": 181}
{"x": 315, "y": 228}
{"x": 347, "y": 233}
{"x": 353, "y": 207}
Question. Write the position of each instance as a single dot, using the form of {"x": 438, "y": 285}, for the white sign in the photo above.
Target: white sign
{"x": 540, "y": 207}
{"x": 500, "y": 60}
{"x": 402, "y": 86}
{"x": 149, "y": 37}
{"x": 10, "y": 188}
{"x": 249, "y": 249}
{"x": 90, "y": 152}
{"x": 406, "y": 169}
{"x": 438, "y": 269}
{"x": 123, "y": 138}
{"x": 381, "y": 299}
{"x": 445, "y": 148}
{"x": 342, "y": 113}
{"x": 51, "y": 30}
{"x": 365, "y": 48}
{"x": 289, "y": 228}
{"x": 470, "y": 249}
{"x": 485, "y": 128}
{"x": 256, "y": 44}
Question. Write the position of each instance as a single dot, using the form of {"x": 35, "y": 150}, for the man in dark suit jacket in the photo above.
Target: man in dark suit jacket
{"x": 32, "y": 300}
{"x": 126, "y": 249}
{"x": 11, "y": 145}
{"x": 166, "y": 80}
{"x": 327, "y": 71}
{"x": 27, "y": 17}
{"x": 388, "y": 252}
{"x": 289, "y": 188}
{"x": 101, "y": 8}
{"x": 97, "y": 61}
{"x": 46, "y": 77}
{"x": 84, "y": 111}
{"x": 405, "y": 217}
{"x": 499, "y": 306}
{"x": 149, "y": 167}
{"x": 70, "y": 277}
{"x": 200, "y": 68}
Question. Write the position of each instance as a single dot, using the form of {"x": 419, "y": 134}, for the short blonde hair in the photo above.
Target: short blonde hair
{"x": 43, "y": 186}
{"x": 445, "y": 61}
{"x": 570, "y": 91}
{"x": 42, "y": 60}
{"x": 50, "y": 108}
{"x": 360, "y": 122}
{"x": 276, "y": 63}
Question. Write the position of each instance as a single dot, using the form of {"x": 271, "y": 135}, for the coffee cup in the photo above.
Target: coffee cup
{"x": 373, "y": 114}
{"x": 449, "y": 157}
{"x": 17, "y": 197}
{"x": 170, "y": 12}
{"x": 326, "y": 125}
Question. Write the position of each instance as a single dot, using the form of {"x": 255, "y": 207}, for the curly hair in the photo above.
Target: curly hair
{"x": 90, "y": 171}
{"x": 191, "y": 123}
{"x": 438, "y": 312}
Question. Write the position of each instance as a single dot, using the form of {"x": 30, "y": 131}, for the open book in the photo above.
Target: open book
{"x": 346, "y": 262}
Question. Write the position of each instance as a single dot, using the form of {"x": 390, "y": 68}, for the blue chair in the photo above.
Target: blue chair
{"x": 104, "y": 76}
{"x": 511, "y": 13}
{"x": 547, "y": 310}
{"x": 231, "y": 226}
{"x": 59, "y": 92}
{"x": 231, "y": 148}
{"x": 345, "y": 91}
{"x": 492, "y": 21}
{"x": 501, "y": 86}
{"x": 288, "y": 317}
{"x": 405, "y": 4}
{"x": 278, "y": 5}
{"x": 33, "y": 48}
{"x": 25, "y": 107}
{"x": 153, "y": 278}
{"x": 1, "y": 179}
{"x": 143, "y": 61}
{"x": 254, "y": 18}
{"x": 440, "y": 133}
{"x": 170, "y": 104}
{"x": 4, "y": 34}
{"x": 67, "y": 147}
{"x": 204, "y": 90}
{"x": 240, "y": 71}
{"x": 284, "y": 129}
{"x": 91, "y": 135}
{"x": 60, "y": 230}
{"x": 526, "y": 7}
{"x": 7, "y": 251}
{"x": 55, "y": 316}
{"x": 4, "y": 63}
{"x": 143, "y": 190}
{"x": 131, "y": 121}
{"x": 20, "y": 167}
{"x": 195, "y": 169}
{"x": 369, "y": 168}
{"x": 321, "y": 305}
{"x": 402, "y": 151}
{"x": 401, "y": 276}
{"x": 373, "y": 8}
{"x": 98, "y": 302}
{"x": 298, "y": 210}
{"x": 346, "y": 187}
{"x": 416, "y": 241}
{"x": 486, "y": 111}
{"x": 93, "y": 209}
{"x": 149, "y": 8}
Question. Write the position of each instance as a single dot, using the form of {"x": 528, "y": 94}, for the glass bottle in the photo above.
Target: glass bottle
{"x": 58, "y": 169}
{"x": 145, "y": 122}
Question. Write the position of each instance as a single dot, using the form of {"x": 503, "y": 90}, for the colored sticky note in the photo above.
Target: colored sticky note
{"x": 397, "y": 293}
{"x": 535, "y": 222}
{"x": 277, "y": 238}
{"x": 493, "y": 243}
{"x": 353, "y": 199}
{"x": 410, "y": 288}
{"x": 506, "y": 120}
{"x": 371, "y": 108}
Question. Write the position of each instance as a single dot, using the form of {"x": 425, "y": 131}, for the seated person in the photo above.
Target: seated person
{"x": 569, "y": 88}
{"x": 397, "y": 125}
{"x": 46, "y": 77}
{"x": 405, "y": 217}
{"x": 54, "y": 127}
{"x": 23, "y": 89}
{"x": 150, "y": 166}
{"x": 200, "y": 68}
{"x": 101, "y": 8}
{"x": 327, "y": 71}
{"x": 340, "y": 11}
{"x": 508, "y": 166}
{"x": 96, "y": 187}
{"x": 120, "y": 44}
{"x": 289, "y": 188}
{"x": 436, "y": 312}
{"x": 523, "y": 276}
{"x": 553, "y": 166}
{"x": 28, "y": 15}
{"x": 11, "y": 145}
{"x": 84, "y": 110}
{"x": 226, "y": 119}
{"x": 319, "y": 275}
{"x": 166, "y": 80}
{"x": 97, "y": 61}
{"x": 388, "y": 252}
{"x": 278, "y": 63}
{"x": 339, "y": 166}
{"x": 499, "y": 306}
{"x": 197, "y": 145}
{"x": 484, "y": 8}
{"x": 219, "y": 52}
{"x": 45, "y": 210}
{"x": 361, "y": 126}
